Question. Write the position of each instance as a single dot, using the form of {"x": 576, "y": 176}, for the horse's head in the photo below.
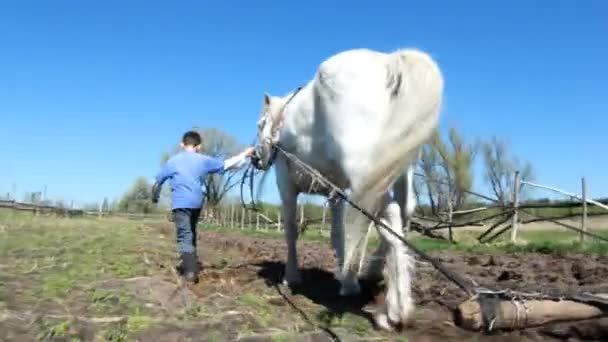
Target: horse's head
{"x": 269, "y": 126}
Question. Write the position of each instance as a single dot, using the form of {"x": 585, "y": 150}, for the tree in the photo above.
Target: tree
{"x": 447, "y": 168}
{"x": 92, "y": 206}
{"x": 218, "y": 144}
{"x": 60, "y": 203}
{"x": 138, "y": 198}
{"x": 500, "y": 167}
{"x": 105, "y": 205}
{"x": 428, "y": 164}
{"x": 27, "y": 197}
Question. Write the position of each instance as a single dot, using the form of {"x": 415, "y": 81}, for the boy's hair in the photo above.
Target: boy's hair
{"x": 191, "y": 138}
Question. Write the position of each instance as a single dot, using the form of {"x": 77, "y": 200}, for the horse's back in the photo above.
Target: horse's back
{"x": 374, "y": 102}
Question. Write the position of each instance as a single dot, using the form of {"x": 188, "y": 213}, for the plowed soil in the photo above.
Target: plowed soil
{"x": 255, "y": 258}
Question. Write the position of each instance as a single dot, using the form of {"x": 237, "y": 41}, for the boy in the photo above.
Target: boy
{"x": 186, "y": 170}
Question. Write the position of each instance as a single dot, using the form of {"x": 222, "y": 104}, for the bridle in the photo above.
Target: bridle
{"x": 255, "y": 166}
{"x": 273, "y": 146}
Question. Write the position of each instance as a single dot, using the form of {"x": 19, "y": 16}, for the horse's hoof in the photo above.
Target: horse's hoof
{"x": 399, "y": 316}
{"x": 381, "y": 321}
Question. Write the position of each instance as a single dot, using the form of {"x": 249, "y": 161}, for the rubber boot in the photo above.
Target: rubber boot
{"x": 179, "y": 269}
{"x": 190, "y": 267}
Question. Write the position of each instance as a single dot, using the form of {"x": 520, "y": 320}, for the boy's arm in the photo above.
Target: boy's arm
{"x": 217, "y": 165}
{"x": 161, "y": 177}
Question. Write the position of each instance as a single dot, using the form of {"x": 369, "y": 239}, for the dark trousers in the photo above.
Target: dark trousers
{"x": 185, "y": 224}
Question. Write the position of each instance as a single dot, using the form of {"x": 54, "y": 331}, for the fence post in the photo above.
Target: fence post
{"x": 450, "y": 214}
{"x": 243, "y": 218}
{"x": 257, "y": 221}
{"x": 301, "y": 215}
{"x": 584, "y": 217}
{"x": 249, "y": 219}
{"x": 514, "y": 225}
{"x": 323, "y": 218}
{"x": 225, "y": 217}
{"x": 279, "y": 221}
{"x": 232, "y": 216}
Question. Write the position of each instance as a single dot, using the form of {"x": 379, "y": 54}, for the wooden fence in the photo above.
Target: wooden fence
{"x": 511, "y": 216}
{"x": 233, "y": 216}
{"x": 41, "y": 209}
{"x": 515, "y": 214}
{"x": 236, "y": 217}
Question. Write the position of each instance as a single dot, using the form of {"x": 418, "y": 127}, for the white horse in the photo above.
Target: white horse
{"x": 360, "y": 122}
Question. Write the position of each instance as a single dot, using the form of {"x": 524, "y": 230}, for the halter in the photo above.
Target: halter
{"x": 254, "y": 166}
{"x": 273, "y": 149}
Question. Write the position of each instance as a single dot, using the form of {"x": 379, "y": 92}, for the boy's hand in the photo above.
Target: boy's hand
{"x": 155, "y": 193}
{"x": 250, "y": 151}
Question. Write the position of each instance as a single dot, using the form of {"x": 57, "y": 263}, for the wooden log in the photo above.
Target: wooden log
{"x": 521, "y": 314}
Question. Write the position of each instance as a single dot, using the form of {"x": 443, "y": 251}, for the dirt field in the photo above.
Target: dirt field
{"x": 82, "y": 280}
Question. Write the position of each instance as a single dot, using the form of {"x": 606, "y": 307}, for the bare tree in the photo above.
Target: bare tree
{"x": 500, "y": 167}
{"x": 428, "y": 165}
{"x": 447, "y": 168}
{"x": 218, "y": 144}
{"x": 460, "y": 163}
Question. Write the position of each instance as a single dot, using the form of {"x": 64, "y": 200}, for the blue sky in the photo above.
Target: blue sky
{"x": 91, "y": 93}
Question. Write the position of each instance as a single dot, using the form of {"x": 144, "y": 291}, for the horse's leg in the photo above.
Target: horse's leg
{"x": 376, "y": 260}
{"x": 292, "y": 271}
{"x": 405, "y": 196}
{"x": 289, "y": 199}
{"x": 354, "y": 236}
{"x": 365, "y": 197}
{"x": 407, "y": 208}
{"x": 399, "y": 268}
{"x": 337, "y": 232}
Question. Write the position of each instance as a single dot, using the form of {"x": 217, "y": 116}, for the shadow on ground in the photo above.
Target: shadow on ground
{"x": 320, "y": 287}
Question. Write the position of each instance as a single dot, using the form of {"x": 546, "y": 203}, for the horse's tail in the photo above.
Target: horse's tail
{"x": 412, "y": 71}
{"x": 415, "y": 85}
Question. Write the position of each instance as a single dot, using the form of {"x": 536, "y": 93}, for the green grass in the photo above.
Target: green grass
{"x": 58, "y": 262}
{"x": 71, "y": 252}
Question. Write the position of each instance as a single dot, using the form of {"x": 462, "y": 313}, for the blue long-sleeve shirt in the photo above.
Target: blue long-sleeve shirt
{"x": 186, "y": 172}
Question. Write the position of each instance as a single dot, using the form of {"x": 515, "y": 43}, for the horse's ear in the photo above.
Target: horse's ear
{"x": 266, "y": 99}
